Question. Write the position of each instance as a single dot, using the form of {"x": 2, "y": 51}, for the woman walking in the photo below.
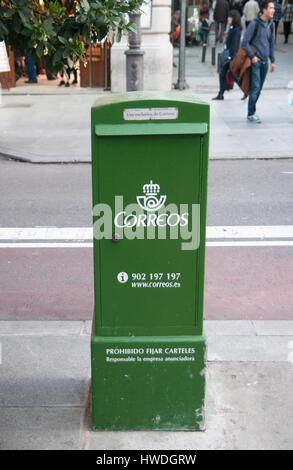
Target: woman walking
{"x": 231, "y": 48}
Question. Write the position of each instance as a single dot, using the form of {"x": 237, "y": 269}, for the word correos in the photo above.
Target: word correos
{"x": 131, "y": 222}
{"x": 146, "y": 220}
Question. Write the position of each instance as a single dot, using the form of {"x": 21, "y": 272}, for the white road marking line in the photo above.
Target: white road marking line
{"x": 251, "y": 243}
{"x": 86, "y": 233}
{"x": 251, "y": 231}
{"x": 46, "y": 233}
{"x": 47, "y": 245}
{"x": 81, "y": 237}
{"x": 90, "y": 245}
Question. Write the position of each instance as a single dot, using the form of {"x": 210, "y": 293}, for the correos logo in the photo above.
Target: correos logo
{"x": 150, "y": 203}
{"x": 148, "y": 217}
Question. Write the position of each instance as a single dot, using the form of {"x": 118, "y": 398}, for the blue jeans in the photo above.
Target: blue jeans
{"x": 30, "y": 68}
{"x": 222, "y": 76}
{"x": 223, "y": 72}
{"x": 259, "y": 71}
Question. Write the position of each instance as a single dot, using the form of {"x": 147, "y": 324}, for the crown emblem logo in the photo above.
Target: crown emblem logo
{"x": 150, "y": 202}
{"x": 151, "y": 189}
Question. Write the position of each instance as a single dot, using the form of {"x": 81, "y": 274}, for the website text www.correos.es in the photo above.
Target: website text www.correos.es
{"x": 156, "y": 284}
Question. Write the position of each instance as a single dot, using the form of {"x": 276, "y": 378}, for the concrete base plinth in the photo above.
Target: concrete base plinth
{"x": 148, "y": 383}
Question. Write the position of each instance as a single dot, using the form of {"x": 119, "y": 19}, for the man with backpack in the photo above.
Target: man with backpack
{"x": 258, "y": 42}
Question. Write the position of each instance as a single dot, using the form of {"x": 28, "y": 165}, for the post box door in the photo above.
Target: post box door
{"x": 149, "y": 286}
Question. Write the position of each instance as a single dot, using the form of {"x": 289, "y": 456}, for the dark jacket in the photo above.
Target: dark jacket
{"x": 221, "y": 11}
{"x": 233, "y": 40}
{"x": 238, "y": 7}
{"x": 263, "y": 41}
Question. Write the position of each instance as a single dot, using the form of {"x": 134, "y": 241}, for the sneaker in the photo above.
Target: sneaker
{"x": 254, "y": 118}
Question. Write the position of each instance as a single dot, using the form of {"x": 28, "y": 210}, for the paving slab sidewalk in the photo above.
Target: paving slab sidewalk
{"x": 45, "y": 389}
{"x": 46, "y": 124}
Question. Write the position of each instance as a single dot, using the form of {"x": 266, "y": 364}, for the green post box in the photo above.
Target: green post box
{"x": 149, "y": 172}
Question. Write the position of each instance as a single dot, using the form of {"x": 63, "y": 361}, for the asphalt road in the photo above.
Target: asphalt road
{"x": 242, "y": 281}
{"x": 245, "y": 192}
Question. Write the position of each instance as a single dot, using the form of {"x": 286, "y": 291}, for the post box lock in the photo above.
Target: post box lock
{"x": 115, "y": 237}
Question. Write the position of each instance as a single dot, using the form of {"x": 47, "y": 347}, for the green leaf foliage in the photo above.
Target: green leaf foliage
{"x": 59, "y": 30}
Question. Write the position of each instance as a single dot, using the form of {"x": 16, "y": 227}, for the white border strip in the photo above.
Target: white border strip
{"x": 251, "y": 243}
{"x": 90, "y": 244}
{"x": 46, "y": 233}
{"x": 251, "y": 231}
{"x": 81, "y": 237}
{"x": 47, "y": 245}
{"x": 86, "y": 233}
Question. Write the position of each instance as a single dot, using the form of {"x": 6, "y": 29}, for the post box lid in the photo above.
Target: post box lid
{"x": 150, "y": 108}
{"x": 148, "y": 95}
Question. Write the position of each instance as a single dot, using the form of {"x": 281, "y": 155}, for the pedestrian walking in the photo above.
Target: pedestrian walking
{"x": 287, "y": 16}
{"x": 220, "y": 17}
{"x": 31, "y": 69}
{"x": 231, "y": 48}
{"x": 277, "y": 16}
{"x": 259, "y": 44}
{"x": 238, "y": 6}
{"x": 204, "y": 27}
{"x": 250, "y": 11}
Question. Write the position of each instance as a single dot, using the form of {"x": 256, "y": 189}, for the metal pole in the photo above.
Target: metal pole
{"x": 203, "y": 55}
{"x": 106, "y": 63}
{"x": 181, "y": 70}
{"x": 134, "y": 56}
{"x": 213, "y": 56}
{"x": 218, "y": 62}
{"x": 212, "y": 42}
